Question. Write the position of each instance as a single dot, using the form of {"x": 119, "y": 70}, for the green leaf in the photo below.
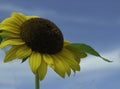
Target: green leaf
{"x": 87, "y": 49}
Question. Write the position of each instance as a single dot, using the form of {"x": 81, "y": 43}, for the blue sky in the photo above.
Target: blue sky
{"x": 94, "y": 22}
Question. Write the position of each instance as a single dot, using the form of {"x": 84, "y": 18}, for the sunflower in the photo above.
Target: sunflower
{"x": 40, "y": 41}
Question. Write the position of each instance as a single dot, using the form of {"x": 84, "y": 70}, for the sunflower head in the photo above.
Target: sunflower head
{"x": 42, "y": 35}
{"x": 42, "y": 42}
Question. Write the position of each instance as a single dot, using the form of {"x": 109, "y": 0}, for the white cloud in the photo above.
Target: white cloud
{"x": 97, "y": 63}
{"x": 16, "y": 74}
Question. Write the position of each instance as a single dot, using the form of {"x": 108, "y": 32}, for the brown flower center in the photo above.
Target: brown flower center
{"x": 42, "y": 35}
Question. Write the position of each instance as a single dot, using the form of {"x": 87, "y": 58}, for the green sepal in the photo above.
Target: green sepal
{"x": 1, "y": 39}
{"x": 24, "y": 59}
{"x": 78, "y": 54}
{"x": 87, "y": 49}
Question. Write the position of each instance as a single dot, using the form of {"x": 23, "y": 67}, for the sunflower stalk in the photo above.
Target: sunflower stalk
{"x": 37, "y": 82}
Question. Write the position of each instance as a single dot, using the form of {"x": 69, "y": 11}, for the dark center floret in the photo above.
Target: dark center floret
{"x": 42, "y": 35}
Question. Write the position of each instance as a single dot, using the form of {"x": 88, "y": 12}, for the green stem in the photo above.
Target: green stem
{"x": 37, "y": 86}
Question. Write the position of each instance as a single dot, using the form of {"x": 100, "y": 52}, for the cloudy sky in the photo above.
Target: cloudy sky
{"x": 94, "y": 22}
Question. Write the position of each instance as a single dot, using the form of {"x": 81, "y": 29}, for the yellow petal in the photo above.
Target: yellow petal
{"x": 10, "y": 54}
{"x": 17, "y": 22}
{"x": 9, "y": 34}
{"x": 11, "y": 42}
{"x": 23, "y": 52}
{"x": 11, "y": 22}
{"x": 59, "y": 66}
{"x": 73, "y": 64}
{"x": 10, "y": 29}
{"x": 42, "y": 70}
{"x": 48, "y": 59}
{"x": 21, "y": 17}
{"x": 30, "y": 17}
{"x": 66, "y": 42}
{"x": 6, "y": 21}
{"x": 35, "y": 61}
{"x": 77, "y": 54}
{"x": 67, "y": 67}
{"x": 69, "y": 58}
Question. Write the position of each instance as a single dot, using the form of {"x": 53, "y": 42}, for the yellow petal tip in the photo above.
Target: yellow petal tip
{"x": 5, "y": 61}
